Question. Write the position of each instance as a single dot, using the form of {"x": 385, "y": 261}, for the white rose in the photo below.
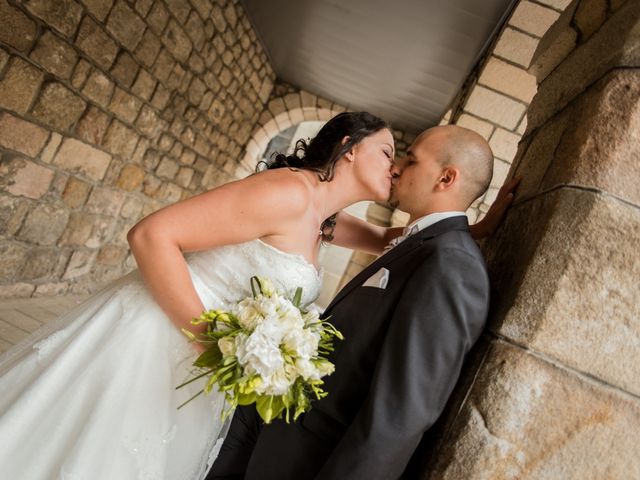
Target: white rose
{"x": 227, "y": 346}
{"x": 266, "y": 306}
{"x": 248, "y": 315}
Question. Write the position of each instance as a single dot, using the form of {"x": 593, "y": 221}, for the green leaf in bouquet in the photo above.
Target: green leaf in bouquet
{"x": 209, "y": 358}
{"x": 269, "y": 407}
{"x": 297, "y": 298}
{"x": 247, "y": 398}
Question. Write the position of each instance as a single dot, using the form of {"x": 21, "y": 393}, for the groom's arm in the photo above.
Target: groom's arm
{"x": 437, "y": 319}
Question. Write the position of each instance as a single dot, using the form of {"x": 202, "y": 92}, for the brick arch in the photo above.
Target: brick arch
{"x": 282, "y": 112}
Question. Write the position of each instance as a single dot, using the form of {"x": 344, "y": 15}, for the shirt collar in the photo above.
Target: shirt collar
{"x": 428, "y": 220}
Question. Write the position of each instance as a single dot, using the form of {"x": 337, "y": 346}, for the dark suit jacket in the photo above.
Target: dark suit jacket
{"x": 402, "y": 353}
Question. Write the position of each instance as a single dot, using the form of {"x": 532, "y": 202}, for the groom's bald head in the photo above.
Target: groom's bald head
{"x": 470, "y": 153}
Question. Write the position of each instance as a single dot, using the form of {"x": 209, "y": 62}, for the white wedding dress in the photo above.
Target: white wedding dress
{"x": 92, "y": 395}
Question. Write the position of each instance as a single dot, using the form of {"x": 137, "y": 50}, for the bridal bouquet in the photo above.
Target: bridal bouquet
{"x": 268, "y": 350}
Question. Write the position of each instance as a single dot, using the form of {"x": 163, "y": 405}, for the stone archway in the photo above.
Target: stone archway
{"x": 282, "y": 112}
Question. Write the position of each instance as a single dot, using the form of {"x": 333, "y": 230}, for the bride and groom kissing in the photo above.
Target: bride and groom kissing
{"x": 93, "y": 394}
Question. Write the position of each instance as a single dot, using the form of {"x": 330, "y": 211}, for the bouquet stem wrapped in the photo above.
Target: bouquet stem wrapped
{"x": 266, "y": 350}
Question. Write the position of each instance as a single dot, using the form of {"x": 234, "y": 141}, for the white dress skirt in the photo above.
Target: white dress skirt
{"x": 92, "y": 394}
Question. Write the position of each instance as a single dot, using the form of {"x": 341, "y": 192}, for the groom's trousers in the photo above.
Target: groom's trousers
{"x": 232, "y": 461}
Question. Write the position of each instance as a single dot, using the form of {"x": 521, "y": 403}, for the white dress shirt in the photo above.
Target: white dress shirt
{"x": 420, "y": 224}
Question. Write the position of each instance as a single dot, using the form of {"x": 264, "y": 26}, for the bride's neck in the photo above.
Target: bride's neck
{"x": 335, "y": 195}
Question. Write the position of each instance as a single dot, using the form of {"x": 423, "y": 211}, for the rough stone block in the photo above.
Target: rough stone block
{"x": 105, "y": 201}
{"x": 80, "y": 264}
{"x": 125, "y": 69}
{"x": 125, "y": 105}
{"x": 496, "y": 108}
{"x": 19, "y": 85}
{"x": 177, "y": 41}
{"x": 589, "y": 15}
{"x": 95, "y": 42}
{"x": 98, "y": 88}
{"x": 148, "y": 50}
{"x": 80, "y": 74}
{"x": 184, "y": 176}
{"x": 120, "y": 140}
{"x": 533, "y": 18}
{"x": 17, "y": 29}
{"x": 21, "y": 136}
{"x": 566, "y": 286}
{"x": 51, "y": 148}
{"x": 78, "y": 230}
{"x": 55, "y": 55}
{"x": 132, "y": 208}
{"x": 75, "y": 192}
{"x": 63, "y": 15}
{"x": 195, "y": 30}
{"x": 508, "y": 79}
{"x": 125, "y": 25}
{"x": 58, "y": 106}
{"x": 528, "y": 419}
{"x": 44, "y": 224}
{"x": 149, "y": 123}
{"x": 12, "y": 213}
{"x": 179, "y": 8}
{"x": 21, "y": 176}
{"x": 167, "y": 168}
{"x": 600, "y": 145}
{"x": 131, "y": 177}
{"x": 163, "y": 67}
{"x": 75, "y": 156}
{"x": 158, "y": 18}
{"x": 500, "y": 173}
{"x": 144, "y": 85}
{"x": 99, "y": 8}
{"x": 111, "y": 255}
{"x": 13, "y": 258}
{"x": 218, "y": 19}
{"x": 614, "y": 44}
{"x": 93, "y": 125}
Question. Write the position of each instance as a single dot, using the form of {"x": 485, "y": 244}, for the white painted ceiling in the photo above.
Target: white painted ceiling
{"x": 404, "y": 60}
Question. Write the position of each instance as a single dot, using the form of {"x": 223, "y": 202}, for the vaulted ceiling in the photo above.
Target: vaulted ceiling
{"x": 404, "y": 60}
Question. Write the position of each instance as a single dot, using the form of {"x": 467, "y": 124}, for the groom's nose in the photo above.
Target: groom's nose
{"x": 395, "y": 170}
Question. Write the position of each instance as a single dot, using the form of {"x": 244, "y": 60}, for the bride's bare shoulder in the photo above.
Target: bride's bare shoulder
{"x": 294, "y": 186}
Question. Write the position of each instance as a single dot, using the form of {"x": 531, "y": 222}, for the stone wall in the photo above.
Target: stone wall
{"x": 108, "y": 111}
{"x": 553, "y": 388}
{"x": 498, "y": 92}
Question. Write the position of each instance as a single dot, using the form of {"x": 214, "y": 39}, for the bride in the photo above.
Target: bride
{"x": 92, "y": 395}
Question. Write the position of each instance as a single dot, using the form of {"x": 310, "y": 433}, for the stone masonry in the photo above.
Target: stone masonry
{"x": 497, "y": 94}
{"x": 110, "y": 109}
{"x": 553, "y": 389}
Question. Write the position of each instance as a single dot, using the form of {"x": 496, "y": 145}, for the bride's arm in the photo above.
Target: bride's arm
{"x": 356, "y": 234}
{"x": 240, "y": 211}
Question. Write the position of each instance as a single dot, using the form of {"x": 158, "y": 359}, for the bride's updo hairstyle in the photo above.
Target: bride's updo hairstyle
{"x": 322, "y": 152}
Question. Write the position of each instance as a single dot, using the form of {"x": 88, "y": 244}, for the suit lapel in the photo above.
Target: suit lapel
{"x": 414, "y": 241}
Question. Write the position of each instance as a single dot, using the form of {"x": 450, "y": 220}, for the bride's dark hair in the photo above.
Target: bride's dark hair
{"x": 322, "y": 152}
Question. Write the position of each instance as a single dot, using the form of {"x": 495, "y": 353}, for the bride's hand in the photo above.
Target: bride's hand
{"x": 492, "y": 220}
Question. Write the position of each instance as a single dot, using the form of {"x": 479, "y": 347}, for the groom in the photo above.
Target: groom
{"x": 408, "y": 321}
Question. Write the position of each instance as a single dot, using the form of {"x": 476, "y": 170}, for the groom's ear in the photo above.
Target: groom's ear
{"x": 448, "y": 178}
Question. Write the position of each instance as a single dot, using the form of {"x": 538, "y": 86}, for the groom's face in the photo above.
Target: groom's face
{"x": 415, "y": 175}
